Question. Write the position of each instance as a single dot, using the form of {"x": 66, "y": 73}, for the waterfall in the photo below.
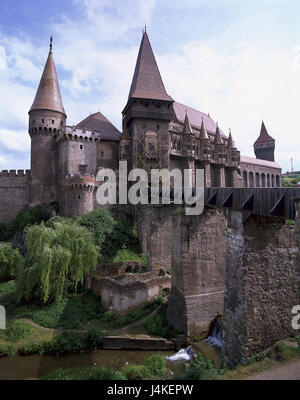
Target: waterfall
{"x": 215, "y": 338}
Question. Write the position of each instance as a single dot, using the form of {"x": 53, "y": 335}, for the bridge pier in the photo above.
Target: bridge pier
{"x": 155, "y": 233}
{"x": 198, "y": 271}
{"x": 261, "y": 286}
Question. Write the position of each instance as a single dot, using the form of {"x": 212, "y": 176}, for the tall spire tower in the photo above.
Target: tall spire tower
{"x": 148, "y": 111}
{"x": 47, "y": 119}
{"x": 264, "y": 145}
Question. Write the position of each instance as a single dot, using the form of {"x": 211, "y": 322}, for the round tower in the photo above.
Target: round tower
{"x": 47, "y": 119}
{"x": 79, "y": 194}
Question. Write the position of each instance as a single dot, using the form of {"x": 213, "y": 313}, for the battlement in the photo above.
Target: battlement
{"x": 78, "y": 181}
{"x": 13, "y": 173}
{"x": 78, "y": 135}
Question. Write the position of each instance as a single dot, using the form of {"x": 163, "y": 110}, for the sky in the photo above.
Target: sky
{"x": 238, "y": 60}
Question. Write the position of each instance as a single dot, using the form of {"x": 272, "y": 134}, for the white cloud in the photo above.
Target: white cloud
{"x": 239, "y": 86}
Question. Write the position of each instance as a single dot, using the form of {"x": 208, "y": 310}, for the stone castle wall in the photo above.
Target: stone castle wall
{"x": 198, "y": 271}
{"x": 14, "y": 193}
{"x": 155, "y": 234}
{"x": 261, "y": 285}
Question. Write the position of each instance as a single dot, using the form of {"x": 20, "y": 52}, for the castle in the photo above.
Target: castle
{"x": 157, "y": 132}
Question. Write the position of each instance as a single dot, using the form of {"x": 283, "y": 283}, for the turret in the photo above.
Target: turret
{"x": 188, "y": 138}
{"x": 148, "y": 112}
{"x": 264, "y": 146}
{"x": 47, "y": 119}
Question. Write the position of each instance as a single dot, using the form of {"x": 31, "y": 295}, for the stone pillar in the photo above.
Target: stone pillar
{"x": 222, "y": 176}
{"x": 155, "y": 231}
{"x": 198, "y": 271}
{"x": 261, "y": 288}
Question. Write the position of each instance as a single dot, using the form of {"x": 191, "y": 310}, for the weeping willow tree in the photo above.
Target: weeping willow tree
{"x": 56, "y": 255}
{"x": 9, "y": 261}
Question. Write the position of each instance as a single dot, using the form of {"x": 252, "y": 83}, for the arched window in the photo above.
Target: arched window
{"x": 257, "y": 180}
{"x": 245, "y": 177}
{"x": 273, "y": 181}
{"x": 263, "y": 180}
{"x": 251, "y": 179}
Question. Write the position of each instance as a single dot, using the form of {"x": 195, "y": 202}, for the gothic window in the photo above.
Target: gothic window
{"x": 102, "y": 154}
{"x": 52, "y": 121}
{"x": 81, "y": 147}
{"x": 42, "y": 120}
{"x": 126, "y": 148}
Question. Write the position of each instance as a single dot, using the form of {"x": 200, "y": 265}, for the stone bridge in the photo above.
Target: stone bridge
{"x": 239, "y": 259}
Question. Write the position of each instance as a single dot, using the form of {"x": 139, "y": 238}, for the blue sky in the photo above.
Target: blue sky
{"x": 237, "y": 60}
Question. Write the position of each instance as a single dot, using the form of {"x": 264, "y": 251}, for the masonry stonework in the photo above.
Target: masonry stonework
{"x": 261, "y": 286}
{"x": 155, "y": 234}
{"x": 14, "y": 193}
{"x": 198, "y": 271}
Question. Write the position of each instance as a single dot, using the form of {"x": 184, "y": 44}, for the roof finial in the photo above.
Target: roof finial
{"x": 51, "y": 39}
{"x": 145, "y": 28}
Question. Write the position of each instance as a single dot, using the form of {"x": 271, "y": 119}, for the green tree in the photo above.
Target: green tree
{"x": 56, "y": 255}
{"x": 9, "y": 261}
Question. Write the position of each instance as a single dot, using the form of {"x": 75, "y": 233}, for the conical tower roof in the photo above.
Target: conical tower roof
{"x": 218, "y": 139}
{"x": 264, "y": 136}
{"x": 186, "y": 125}
{"x": 203, "y": 133}
{"x": 230, "y": 143}
{"x": 147, "y": 82}
{"x": 48, "y": 95}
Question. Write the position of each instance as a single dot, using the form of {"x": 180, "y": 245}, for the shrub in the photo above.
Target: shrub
{"x": 7, "y": 350}
{"x": 54, "y": 256}
{"x": 200, "y": 368}
{"x": 136, "y": 372}
{"x": 94, "y": 338}
{"x": 31, "y": 348}
{"x": 9, "y": 261}
{"x": 25, "y": 217}
{"x": 17, "y": 330}
{"x": 85, "y": 373}
{"x": 100, "y": 224}
{"x": 157, "y": 324}
{"x": 156, "y": 365}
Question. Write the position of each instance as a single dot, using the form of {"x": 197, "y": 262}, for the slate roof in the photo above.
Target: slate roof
{"x": 48, "y": 95}
{"x": 147, "y": 82}
{"x": 195, "y": 118}
{"x": 98, "y": 123}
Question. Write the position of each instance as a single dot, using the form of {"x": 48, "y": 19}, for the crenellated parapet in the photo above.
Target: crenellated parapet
{"x": 80, "y": 182}
{"x": 12, "y": 173}
{"x": 78, "y": 135}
